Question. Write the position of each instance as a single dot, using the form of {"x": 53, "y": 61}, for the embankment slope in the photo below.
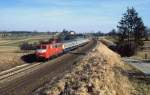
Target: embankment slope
{"x": 98, "y": 73}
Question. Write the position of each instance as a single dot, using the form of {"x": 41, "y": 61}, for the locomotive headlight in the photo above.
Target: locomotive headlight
{"x": 41, "y": 50}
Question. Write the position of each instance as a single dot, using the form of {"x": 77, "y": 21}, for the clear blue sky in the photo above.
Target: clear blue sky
{"x": 78, "y": 15}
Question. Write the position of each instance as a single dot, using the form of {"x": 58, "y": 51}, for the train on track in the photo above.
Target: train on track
{"x": 46, "y": 51}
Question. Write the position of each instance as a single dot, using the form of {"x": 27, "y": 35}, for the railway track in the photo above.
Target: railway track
{"x": 14, "y": 71}
{"x": 23, "y": 80}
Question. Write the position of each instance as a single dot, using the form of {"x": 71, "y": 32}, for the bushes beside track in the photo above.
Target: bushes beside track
{"x": 28, "y": 46}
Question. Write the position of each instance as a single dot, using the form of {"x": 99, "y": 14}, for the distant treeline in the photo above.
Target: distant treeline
{"x": 4, "y": 34}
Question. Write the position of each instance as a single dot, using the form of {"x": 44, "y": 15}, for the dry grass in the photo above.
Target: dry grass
{"x": 110, "y": 38}
{"x": 9, "y": 60}
{"x": 146, "y": 43}
{"x": 142, "y": 55}
{"x": 142, "y": 86}
{"x": 8, "y": 49}
{"x": 107, "y": 42}
{"x": 99, "y": 73}
{"x": 3, "y": 41}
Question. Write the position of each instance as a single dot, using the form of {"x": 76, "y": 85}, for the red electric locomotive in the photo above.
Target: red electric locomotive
{"x": 46, "y": 51}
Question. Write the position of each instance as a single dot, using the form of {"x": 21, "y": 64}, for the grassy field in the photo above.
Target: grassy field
{"x": 111, "y": 38}
{"x": 145, "y": 53}
{"x": 9, "y": 60}
{"x": 142, "y": 55}
{"x": 146, "y": 43}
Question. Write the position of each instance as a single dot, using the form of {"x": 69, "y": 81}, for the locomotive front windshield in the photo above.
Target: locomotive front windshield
{"x": 41, "y": 47}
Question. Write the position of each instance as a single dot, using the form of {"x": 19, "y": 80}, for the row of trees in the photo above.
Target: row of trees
{"x": 28, "y": 46}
